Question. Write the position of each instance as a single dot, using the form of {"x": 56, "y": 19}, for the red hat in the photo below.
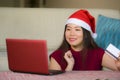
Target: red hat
{"x": 83, "y": 19}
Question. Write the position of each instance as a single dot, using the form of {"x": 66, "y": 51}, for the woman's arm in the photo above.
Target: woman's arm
{"x": 110, "y": 62}
{"x": 54, "y": 65}
{"x": 118, "y": 63}
{"x": 69, "y": 59}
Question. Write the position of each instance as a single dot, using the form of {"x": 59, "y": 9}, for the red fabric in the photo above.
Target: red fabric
{"x": 93, "y": 59}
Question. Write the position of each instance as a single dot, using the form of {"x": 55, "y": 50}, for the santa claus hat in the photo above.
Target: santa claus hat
{"x": 83, "y": 19}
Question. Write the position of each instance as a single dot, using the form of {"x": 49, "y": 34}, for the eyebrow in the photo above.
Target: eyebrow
{"x": 74, "y": 27}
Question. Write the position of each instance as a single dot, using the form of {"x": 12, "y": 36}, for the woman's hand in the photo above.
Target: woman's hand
{"x": 70, "y": 60}
{"x": 118, "y": 63}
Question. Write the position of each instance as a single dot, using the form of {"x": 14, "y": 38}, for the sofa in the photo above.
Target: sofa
{"x": 39, "y": 23}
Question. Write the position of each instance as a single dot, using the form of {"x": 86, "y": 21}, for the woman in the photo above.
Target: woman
{"x": 78, "y": 50}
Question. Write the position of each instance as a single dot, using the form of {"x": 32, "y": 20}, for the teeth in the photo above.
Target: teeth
{"x": 72, "y": 39}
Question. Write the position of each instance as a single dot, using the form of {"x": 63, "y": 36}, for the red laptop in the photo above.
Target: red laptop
{"x": 29, "y": 56}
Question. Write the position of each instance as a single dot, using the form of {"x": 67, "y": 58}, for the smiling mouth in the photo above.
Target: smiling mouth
{"x": 72, "y": 39}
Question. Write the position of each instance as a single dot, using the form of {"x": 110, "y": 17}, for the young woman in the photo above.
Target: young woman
{"x": 78, "y": 50}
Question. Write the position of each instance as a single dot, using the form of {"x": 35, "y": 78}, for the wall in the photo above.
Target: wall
{"x": 103, "y": 4}
{"x": 40, "y": 23}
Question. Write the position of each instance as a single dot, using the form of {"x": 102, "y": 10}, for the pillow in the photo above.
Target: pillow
{"x": 108, "y": 31}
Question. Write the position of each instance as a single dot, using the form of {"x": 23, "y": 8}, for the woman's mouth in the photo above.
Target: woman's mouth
{"x": 72, "y": 39}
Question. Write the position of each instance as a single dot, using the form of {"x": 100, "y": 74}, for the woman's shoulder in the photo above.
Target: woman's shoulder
{"x": 56, "y": 53}
{"x": 98, "y": 49}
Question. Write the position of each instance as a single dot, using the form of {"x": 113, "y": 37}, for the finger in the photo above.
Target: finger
{"x": 119, "y": 58}
{"x": 68, "y": 55}
{"x": 117, "y": 64}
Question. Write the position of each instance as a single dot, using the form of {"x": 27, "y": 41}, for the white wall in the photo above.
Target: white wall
{"x": 39, "y": 23}
{"x": 32, "y": 24}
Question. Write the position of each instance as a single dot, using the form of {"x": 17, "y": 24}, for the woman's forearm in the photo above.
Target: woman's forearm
{"x": 69, "y": 67}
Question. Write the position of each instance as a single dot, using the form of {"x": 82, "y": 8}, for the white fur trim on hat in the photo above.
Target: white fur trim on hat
{"x": 80, "y": 23}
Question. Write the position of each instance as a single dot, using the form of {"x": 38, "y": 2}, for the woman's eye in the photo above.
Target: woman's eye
{"x": 78, "y": 30}
{"x": 68, "y": 29}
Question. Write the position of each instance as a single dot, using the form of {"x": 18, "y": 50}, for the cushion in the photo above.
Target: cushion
{"x": 108, "y": 31}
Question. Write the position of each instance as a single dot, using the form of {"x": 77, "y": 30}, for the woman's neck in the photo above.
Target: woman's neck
{"x": 77, "y": 48}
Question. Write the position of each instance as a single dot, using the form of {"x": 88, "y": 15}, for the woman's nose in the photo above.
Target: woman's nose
{"x": 72, "y": 32}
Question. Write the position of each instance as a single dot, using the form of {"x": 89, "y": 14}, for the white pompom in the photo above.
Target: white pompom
{"x": 94, "y": 35}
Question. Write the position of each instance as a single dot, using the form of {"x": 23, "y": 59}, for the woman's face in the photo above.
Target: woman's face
{"x": 74, "y": 35}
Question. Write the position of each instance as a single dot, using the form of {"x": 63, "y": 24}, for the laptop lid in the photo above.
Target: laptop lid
{"x": 26, "y": 55}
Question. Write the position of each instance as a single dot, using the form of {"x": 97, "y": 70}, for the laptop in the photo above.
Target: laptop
{"x": 29, "y": 56}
